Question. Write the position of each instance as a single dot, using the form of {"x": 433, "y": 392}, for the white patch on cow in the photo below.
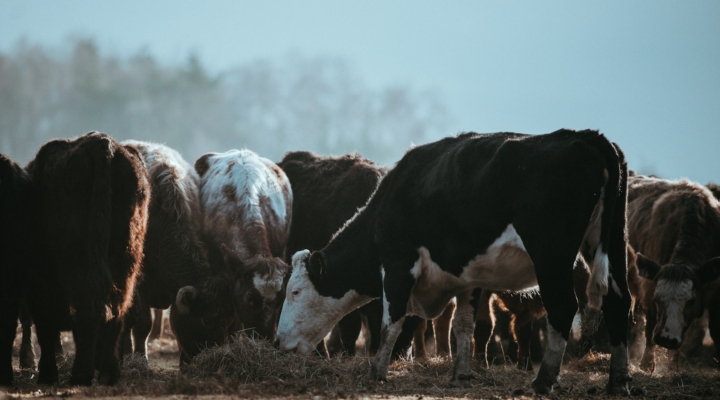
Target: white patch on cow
{"x": 576, "y": 329}
{"x": 505, "y": 266}
{"x": 254, "y": 185}
{"x": 598, "y": 284}
{"x": 554, "y": 349}
{"x": 673, "y": 296}
{"x": 268, "y": 286}
{"x": 306, "y": 316}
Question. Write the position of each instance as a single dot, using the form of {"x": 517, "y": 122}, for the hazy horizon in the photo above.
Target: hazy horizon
{"x": 646, "y": 73}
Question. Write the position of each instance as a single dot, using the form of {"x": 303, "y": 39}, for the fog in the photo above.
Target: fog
{"x": 270, "y": 106}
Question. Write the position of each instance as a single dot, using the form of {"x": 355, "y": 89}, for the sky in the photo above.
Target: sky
{"x": 645, "y": 73}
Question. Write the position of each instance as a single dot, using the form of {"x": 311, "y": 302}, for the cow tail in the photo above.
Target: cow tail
{"x": 129, "y": 224}
{"x": 610, "y": 214}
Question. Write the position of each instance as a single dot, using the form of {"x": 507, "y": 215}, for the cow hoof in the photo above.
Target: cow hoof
{"x": 27, "y": 362}
{"x": 462, "y": 381}
{"x": 375, "y": 376}
{"x": 543, "y": 386}
{"x": 617, "y": 384}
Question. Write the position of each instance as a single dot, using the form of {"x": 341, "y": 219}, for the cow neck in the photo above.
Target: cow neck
{"x": 352, "y": 260}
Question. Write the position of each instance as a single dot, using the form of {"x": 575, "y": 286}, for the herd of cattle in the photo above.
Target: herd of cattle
{"x": 96, "y": 232}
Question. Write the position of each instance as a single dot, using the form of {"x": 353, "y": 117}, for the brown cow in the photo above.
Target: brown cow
{"x": 675, "y": 228}
{"x": 174, "y": 255}
{"x": 90, "y": 220}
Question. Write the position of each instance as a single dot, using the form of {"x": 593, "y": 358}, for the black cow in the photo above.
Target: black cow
{"x": 90, "y": 217}
{"x": 174, "y": 255}
{"x": 501, "y": 211}
{"x": 14, "y": 199}
{"x": 675, "y": 228}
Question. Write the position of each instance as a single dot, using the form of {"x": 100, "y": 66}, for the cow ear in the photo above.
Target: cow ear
{"x": 317, "y": 264}
{"x": 231, "y": 259}
{"x": 202, "y": 165}
{"x": 709, "y": 271}
{"x": 647, "y": 268}
{"x": 185, "y": 299}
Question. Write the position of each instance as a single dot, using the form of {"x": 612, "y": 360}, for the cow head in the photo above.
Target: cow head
{"x": 677, "y": 296}
{"x": 307, "y": 316}
{"x": 258, "y": 293}
{"x": 201, "y": 316}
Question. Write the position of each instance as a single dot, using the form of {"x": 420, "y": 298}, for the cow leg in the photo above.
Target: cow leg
{"x": 521, "y": 326}
{"x": 88, "y": 319}
{"x": 556, "y": 289}
{"x": 441, "y": 326}
{"x": 141, "y": 330}
{"x": 108, "y": 360}
{"x": 350, "y": 327}
{"x": 463, "y": 326}
{"x": 404, "y": 341}
{"x": 27, "y": 354}
{"x": 157, "y": 324}
{"x": 47, "y": 334}
{"x": 484, "y": 324}
{"x": 419, "y": 350}
{"x": 714, "y": 323}
{"x": 8, "y": 327}
{"x": 373, "y": 312}
{"x": 396, "y": 294}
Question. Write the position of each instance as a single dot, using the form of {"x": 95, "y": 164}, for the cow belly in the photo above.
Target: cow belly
{"x": 504, "y": 266}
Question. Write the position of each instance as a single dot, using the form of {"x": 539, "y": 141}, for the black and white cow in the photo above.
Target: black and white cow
{"x": 500, "y": 211}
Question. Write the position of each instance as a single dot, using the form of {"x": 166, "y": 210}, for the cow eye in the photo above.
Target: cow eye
{"x": 295, "y": 292}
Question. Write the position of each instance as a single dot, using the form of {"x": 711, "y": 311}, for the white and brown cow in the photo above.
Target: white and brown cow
{"x": 500, "y": 211}
{"x": 675, "y": 228}
{"x": 246, "y": 203}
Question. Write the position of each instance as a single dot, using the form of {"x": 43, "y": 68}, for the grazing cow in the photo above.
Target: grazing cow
{"x": 327, "y": 192}
{"x": 14, "y": 193}
{"x": 675, "y": 228}
{"x": 501, "y": 211}
{"x": 174, "y": 256}
{"x": 247, "y": 207}
{"x": 91, "y": 217}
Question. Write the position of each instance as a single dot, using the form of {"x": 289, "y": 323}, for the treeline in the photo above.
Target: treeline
{"x": 270, "y": 106}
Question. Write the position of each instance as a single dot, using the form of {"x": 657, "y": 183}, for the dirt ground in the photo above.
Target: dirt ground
{"x": 252, "y": 369}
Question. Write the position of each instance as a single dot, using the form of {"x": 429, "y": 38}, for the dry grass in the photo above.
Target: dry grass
{"x": 250, "y": 368}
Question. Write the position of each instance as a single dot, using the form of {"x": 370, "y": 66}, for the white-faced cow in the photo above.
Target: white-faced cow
{"x": 327, "y": 192}
{"x": 14, "y": 192}
{"x": 501, "y": 211}
{"x": 174, "y": 256}
{"x": 247, "y": 208}
{"x": 90, "y": 217}
{"x": 675, "y": 228}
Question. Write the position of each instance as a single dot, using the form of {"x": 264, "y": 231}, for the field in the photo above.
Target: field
{"x": 253, "y": 369}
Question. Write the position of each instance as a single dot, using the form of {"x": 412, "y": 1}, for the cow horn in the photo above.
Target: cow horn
{"x": 185, "y": 296}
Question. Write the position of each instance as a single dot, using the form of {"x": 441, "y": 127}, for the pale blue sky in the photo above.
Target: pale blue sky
{"x": 646, "y": 73}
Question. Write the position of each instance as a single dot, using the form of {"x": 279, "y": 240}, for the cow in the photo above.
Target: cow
{"x": 246, "y": 203}
{"x": 15, "y": 189}
{"x": 327, "y": 192}
{"x": 89, "y": 222}
{"x": 715, "y": 189}
{"x": 174, "y": 256}
{"x": 500, "y": 211}
{"x": 675, "y": 228}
